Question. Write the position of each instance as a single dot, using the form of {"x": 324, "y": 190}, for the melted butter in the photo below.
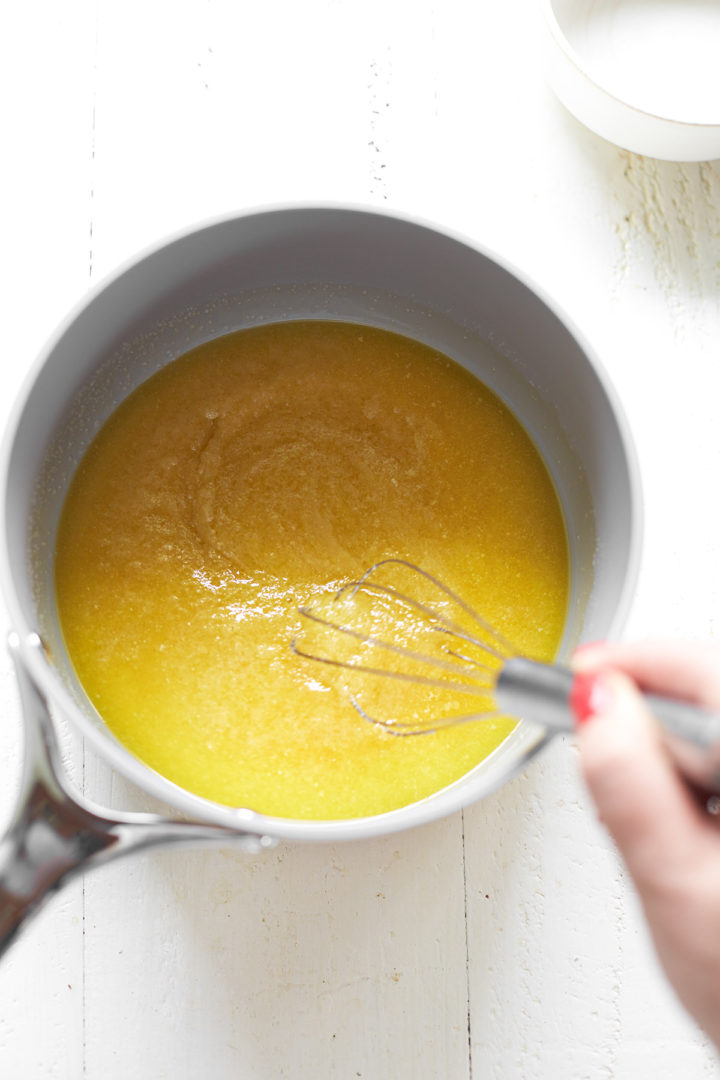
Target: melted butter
{"x": 242, "y": 481}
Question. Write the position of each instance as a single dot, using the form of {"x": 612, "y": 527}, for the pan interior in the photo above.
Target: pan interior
{"x": 252, "y": 478}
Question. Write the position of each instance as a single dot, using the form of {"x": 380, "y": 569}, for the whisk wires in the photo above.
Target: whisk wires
{"x": 371, "y": 629}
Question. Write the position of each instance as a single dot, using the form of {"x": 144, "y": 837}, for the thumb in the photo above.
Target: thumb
{"x": 640, "y": 797}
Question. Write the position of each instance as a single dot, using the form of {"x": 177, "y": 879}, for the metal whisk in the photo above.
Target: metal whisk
{"x": 374, "y": 629}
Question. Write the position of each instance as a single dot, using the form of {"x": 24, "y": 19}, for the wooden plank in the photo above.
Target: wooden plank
{"x": 46, "y": 80}
{"x": 302, "y": 962}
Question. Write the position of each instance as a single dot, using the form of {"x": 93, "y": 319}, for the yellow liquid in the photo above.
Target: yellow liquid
{"x": 245, "y": 479}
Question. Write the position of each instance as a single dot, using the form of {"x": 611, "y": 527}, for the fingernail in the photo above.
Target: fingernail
{"x": 590, "y": 696}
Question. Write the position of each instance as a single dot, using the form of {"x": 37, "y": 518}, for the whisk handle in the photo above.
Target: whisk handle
{"x": 536, "y": 692}
{"x": 541, "y": 693}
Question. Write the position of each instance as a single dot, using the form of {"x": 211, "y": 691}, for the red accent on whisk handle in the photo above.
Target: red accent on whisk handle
{"x": 589, "y": 696}
{"x": 542, "y": 694}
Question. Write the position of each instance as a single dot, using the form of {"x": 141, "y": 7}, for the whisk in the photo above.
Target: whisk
{"x": 374, "y": 629}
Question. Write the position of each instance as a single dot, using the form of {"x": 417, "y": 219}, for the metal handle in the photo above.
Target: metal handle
{"x": 55, "y": 834}
{"x": 540, "y": 693}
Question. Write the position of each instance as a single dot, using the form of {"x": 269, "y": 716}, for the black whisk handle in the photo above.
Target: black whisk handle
{"x": 540, "y": 693}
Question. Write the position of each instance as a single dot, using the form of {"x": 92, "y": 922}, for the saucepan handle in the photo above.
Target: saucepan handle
{"x": 54, "y": 834}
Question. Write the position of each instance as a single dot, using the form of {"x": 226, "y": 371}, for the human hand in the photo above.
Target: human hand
{"x": 668, "y": 840}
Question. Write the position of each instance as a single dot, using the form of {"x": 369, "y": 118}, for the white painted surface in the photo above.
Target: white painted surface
{"x": 505, "y": 942}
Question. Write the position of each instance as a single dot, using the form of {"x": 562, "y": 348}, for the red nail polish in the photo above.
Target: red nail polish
{"x": 589, "y": 696}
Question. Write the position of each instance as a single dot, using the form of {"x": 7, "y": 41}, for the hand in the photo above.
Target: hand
{"x": 668, "y": 840}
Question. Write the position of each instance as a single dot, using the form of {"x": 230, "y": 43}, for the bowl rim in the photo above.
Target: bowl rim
{"x": 441, "y": 803}
{"x": 563, "y": 43}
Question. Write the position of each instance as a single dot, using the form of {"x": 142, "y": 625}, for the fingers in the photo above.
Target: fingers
{"x": 647, "y": 808}
{"x": 689, "y": 670}
{"x": 670, "y": 846}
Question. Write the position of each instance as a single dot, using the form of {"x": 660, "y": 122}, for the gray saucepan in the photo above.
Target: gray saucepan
{"x": 324, "y": 262}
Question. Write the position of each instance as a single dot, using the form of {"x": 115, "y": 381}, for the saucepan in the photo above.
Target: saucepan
{"x": 311, "y": 262}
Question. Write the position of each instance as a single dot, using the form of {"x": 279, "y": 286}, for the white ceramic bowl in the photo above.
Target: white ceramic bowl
{"x": 644, "y": 74}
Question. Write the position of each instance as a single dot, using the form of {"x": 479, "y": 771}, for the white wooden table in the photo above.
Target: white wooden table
{"x": 502, "y": 942}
